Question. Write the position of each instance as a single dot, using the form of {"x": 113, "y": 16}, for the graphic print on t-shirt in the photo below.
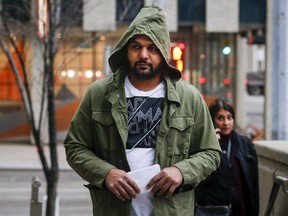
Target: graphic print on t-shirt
{"x": 144, "y": 116}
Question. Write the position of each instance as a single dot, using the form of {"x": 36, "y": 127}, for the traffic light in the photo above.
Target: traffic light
{"x": 202, "y": 80}
{"x": 226, "y": 81}
{"x": 177, "y": 56}
{"x": 226, "y": 50}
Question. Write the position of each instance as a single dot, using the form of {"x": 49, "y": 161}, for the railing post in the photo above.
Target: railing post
{"x": 278, "y": 181}
{"x": 35, "y": 204}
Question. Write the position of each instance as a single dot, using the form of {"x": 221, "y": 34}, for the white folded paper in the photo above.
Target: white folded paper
{"x": 144, "y": 175}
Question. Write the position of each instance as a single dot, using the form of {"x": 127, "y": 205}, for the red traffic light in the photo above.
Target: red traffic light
{"x": 176, "y": 53}
{"x": 202, "y": 80}
{"x": 177, "y": 56}
{"x": 181, "y": 46}
{"x": 226, "y": 81}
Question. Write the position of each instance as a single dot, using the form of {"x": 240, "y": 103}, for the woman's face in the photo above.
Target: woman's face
{"x": 224, "y": 121}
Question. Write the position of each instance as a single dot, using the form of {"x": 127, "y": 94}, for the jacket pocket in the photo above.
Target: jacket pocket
{"x": 105, "y": 203}
{"x": 179, "y": 204}
{"x": 103, "y": 117}
{"x": 105, "y": 132}
{"x": 179, "y": 137}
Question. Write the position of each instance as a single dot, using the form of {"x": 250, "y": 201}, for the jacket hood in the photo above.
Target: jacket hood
{"x": 151, "y": 22}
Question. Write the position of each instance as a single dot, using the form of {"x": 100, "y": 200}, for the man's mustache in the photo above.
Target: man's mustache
{"x": 142, "y": 62}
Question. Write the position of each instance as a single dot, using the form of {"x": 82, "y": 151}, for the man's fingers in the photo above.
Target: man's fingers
{"x": 121, "y": 185}
{"x": 159, "y": 183}
{"x": 166, "y": 181}
{"x": 131, "y": 190}
{"x": 171, "y": 191}
{"x": 119, "y": 195}
{"x": 154, "y": 180}
{"x": 134, "y": 186}
{"x": 117, "y": 190}
{"x": 163, "y": 187}
{"x": 126, "y": 192}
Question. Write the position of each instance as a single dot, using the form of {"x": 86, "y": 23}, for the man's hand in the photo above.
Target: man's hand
{"x": 121, "y": 184}
{"x": 166, "y": 181}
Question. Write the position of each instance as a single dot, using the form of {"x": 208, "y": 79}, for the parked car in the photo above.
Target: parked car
{"x": 255, "y": 83}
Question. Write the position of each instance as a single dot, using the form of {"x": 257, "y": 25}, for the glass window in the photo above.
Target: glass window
{"x": 19, "y": 10}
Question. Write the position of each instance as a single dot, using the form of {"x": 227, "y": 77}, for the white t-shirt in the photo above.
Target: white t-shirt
{"x": 144, "y": 116}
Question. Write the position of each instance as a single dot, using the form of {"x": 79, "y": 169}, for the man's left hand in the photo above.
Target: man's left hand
{"x": 166, "y": 181}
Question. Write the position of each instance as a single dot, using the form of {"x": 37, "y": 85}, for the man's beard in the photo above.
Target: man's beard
{"x": 145, "y": 74}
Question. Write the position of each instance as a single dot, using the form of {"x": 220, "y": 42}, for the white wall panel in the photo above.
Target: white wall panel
{"x": 222, "y": 15}
{"x": 99, "y": 15}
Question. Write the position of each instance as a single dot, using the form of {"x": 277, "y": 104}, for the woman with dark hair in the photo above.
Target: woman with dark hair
{"x": 235, "y": 183}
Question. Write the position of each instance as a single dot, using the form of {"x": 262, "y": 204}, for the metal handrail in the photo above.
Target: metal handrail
{"x": 278, "y": 181}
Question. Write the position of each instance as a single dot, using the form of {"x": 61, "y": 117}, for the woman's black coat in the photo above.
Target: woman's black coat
{"x": 217, "y": 188}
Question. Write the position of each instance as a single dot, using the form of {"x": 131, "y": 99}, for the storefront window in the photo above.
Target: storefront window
{"x": 214, "y": 64}
{"x": 76, "y": 66}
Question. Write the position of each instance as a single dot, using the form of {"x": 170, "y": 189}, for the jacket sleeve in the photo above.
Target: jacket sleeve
{"x": 79, "y": 146}
{"x": 204, "y": 151}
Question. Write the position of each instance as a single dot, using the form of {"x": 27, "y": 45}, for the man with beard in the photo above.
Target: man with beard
{"x": 142, "y": 115}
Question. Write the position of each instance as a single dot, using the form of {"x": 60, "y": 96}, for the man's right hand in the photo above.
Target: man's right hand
{"x": 121, "y": 184}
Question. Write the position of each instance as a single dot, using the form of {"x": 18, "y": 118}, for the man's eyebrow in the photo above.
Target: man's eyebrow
{"x": 133, "y": 41}
{"x": 137, "y": 42}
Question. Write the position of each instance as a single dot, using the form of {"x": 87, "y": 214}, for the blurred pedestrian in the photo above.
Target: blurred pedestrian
{"x": 235, "y": 183}
{"x": 141, "y": 115}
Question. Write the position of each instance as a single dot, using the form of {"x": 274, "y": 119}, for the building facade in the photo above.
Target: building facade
{"x": 208, "y": 57}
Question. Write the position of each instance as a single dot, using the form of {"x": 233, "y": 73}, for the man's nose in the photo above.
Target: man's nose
{"x": 144, "y": 53}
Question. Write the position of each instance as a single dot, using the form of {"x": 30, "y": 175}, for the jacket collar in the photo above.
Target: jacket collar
{"x": 116, "y": 86}
{"x": 171, "y": 92}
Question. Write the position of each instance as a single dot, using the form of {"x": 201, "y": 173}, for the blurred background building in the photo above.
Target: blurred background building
{"x": 235, "y": 49}
{"x": 214, "y": 44}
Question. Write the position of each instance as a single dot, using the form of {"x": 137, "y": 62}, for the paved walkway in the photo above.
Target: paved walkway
{"x": 25, "y": 156}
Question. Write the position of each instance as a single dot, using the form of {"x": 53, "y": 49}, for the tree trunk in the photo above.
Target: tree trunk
{"x": 52, "y": 179}
{"x": 49, "y": 54}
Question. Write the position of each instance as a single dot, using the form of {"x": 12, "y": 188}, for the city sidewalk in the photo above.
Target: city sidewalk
{"x": 25, "y": 156}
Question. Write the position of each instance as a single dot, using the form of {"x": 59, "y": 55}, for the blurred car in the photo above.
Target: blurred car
{"x": 255, "y": 83}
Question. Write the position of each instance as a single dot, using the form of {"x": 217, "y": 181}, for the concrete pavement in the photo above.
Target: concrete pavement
{"x": 25, "y": 156}
{"x": 19, "y": 162}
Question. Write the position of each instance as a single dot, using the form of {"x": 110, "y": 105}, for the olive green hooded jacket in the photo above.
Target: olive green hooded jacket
{"x": 98, "y": 133}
